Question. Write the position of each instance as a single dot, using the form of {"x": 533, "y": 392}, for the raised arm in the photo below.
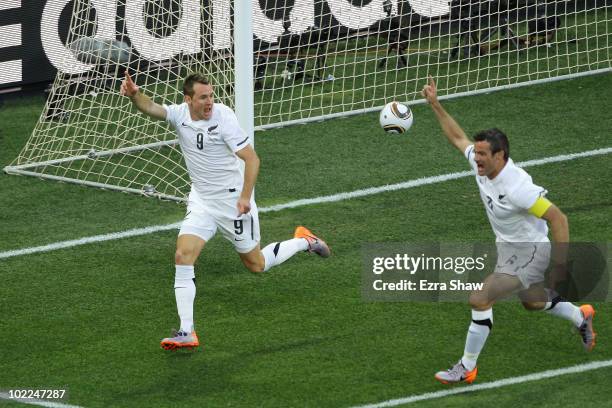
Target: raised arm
{"x": 455, "y": 135}
{"x": 142, "y": 102}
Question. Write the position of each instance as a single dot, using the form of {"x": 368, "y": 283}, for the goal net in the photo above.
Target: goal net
{"x": 312, "y": 60}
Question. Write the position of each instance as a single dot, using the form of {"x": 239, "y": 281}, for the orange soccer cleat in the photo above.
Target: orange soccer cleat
{"x": 586, "y": 328}
{"x": 315, "y": 244}
{"x": 457, "y": 374}
{"x": 179, "y": 340}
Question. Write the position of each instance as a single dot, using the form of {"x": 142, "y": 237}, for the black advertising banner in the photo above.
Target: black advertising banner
{"x": 33, "y": 32}
{"x": 23, "y": 59}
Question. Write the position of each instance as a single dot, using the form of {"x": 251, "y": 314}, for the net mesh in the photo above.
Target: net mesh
{"x": 311, "y": 60}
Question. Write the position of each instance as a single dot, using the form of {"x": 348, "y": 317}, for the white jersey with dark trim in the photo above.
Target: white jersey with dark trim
{"x": 507, "y": 199}
{"x": 209, "y": 148}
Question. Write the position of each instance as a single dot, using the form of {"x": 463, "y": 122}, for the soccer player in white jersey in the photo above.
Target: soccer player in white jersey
{"x": 221, "y": 197}
{"x": 520, "y": 215}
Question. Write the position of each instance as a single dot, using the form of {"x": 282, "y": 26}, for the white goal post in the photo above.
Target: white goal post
{"x": 282, "y": 62}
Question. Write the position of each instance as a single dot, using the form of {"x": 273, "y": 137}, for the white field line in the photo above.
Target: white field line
{"x": 299, "y": 203}
{"x": 491, "y": 385}
{"x": 89, "y": 240}
{"x": 32, "y": 401}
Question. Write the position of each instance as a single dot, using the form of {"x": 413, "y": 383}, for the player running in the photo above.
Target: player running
{"x": 520, "y": 215}
{"x": 221, "y": 196}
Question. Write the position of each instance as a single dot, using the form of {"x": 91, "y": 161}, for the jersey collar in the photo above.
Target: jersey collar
{"x": 504, "y": 171}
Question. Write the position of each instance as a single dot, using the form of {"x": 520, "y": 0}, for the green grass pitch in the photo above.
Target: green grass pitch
{"x": 89, "y": 318}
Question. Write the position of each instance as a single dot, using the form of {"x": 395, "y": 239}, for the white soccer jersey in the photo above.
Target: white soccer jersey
{"x": 209, "y": 148}
{"x": 507, "y": 199}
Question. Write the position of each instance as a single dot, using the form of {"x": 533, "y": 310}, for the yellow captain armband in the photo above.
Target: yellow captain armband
{"x": 540, "y": 207}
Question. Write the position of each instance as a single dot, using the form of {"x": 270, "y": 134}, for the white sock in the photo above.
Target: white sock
{"x": 482, "y": 322}
{"x": 184, "y": 291}
{"x": 278, "y": 252}
{"x": 567, "y": 311}
{"x": 557, "y": 306}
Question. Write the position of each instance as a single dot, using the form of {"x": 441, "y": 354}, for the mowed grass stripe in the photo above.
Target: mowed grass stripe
{"x": 299, "y": 203}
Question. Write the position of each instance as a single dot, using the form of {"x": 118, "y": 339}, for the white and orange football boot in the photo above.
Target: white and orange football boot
{"x": 315, "y": 244}
{"x": 180, "y": 339}
{"x": 586, "y": 328}
{"x": 457, "y": 374}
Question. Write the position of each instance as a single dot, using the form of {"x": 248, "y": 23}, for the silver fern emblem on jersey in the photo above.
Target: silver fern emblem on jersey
{"x": 211, "y": 130}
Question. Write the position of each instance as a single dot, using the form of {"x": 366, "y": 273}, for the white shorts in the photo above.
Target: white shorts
{"x": 526, "y": 261}
{"x": 204, "y": 217}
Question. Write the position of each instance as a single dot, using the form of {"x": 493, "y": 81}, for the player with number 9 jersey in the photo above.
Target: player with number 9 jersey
{"x": 223, "y": 169}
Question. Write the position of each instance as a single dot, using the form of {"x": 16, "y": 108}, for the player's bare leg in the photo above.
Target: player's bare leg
{"x": 534, "y": 298}
{"x": 253, "y": 260}
{"x": 496, "y": 286}
{"x": 188, "y": 248}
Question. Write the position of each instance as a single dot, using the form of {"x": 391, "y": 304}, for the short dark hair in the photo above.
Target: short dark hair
{"x": 497, "y": 139}
{"x": 193, "y": 78}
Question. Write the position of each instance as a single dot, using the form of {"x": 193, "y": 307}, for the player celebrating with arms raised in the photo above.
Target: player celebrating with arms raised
{"x": 221, "y": 196}
{"x": 519, "y": 215}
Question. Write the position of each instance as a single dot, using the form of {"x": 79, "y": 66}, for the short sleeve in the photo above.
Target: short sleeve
{"x": 470, "y": 156}
{"x": 233, "y": 135}
{"x": 172, "y": 114}
{"x": 526, "y": 194}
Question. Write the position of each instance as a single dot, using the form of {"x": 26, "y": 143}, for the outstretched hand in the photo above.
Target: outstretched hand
{"x": 429, "y": 91}
{"x": 128, "y": 87}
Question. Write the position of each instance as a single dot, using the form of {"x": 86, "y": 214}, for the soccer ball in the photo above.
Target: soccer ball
{"x": 90, "y": 50}
{"x": 396, "y": 117}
